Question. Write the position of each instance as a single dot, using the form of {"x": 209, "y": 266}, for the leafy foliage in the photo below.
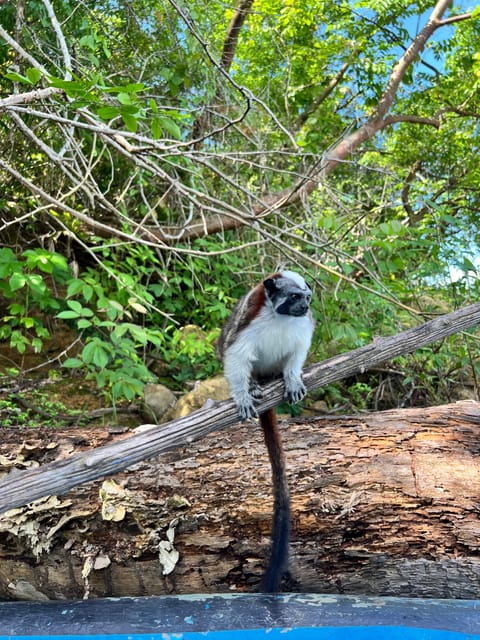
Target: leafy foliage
{"x": 132, "y": 189}
{"x": 23, "y": 283}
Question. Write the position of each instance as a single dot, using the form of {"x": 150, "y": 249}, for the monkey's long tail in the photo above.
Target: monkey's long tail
{"x": 281, "y": 515}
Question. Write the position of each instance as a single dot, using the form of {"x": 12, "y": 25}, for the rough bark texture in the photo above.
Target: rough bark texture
{"x": 382, "y": 503}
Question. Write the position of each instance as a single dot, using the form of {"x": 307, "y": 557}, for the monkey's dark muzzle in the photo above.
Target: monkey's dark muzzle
{"x": 299, "y": 310}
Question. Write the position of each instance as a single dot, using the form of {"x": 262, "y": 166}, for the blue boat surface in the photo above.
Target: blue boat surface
{"x": 243, "y": 617}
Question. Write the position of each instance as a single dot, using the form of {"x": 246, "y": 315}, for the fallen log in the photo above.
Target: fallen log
{"x": 382, "y": 503}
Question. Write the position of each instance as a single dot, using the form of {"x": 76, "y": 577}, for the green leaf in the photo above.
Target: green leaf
{"x": 468, "y": 265}
{"x": 107, "y": 112}
{"x": 130, "y": 122}
{"x": 124, "y": 98}
{"x": 67, "y": 315}
{"x": 114, "y": 310}
{"x": 128, "y": 88}
{"x": 59, "y": 262}
{"x": 102, "y": 378}
{"x": 94, "y": 60}
{"x": 73, "y": 88}
{"x": 33, "y": 75}
{"x": 18, "y": 341}
{"x": 75, "y": 306}
{"x": 139, "y": 334}
{"x": 17, "y": 77}
{"x": 74, "y": 287}
{"x": 156, "y": 129}
{"x": 27, "y": 322}
{"x": 88, "y": 42}
{"x": 106, "y": 50}
{"x": 87, "y": 352}
{"x": 17, "y": 309}
{"x": 37, "y": 345}
{"x": 73, "y": 363}
{"x": 131, "y": 109}
{"x": 87, "y": 292}
{"x": 17, "y": 281}
{"x": 40, "y": 259}
{"x": 170, "y": 126}
{"x": 95, "y": 353}
{"x": 100, "y": 357}
{"x": 134, "y": 87}
{"x": 7, "y": 255}
{"x": 36, "y": 283}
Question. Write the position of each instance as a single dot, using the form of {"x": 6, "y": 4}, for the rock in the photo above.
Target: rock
{"x": 22, "y": 590}
{"x": 215, "y": 389}
{"x": 465, "y": 393}
{"x": 158, "y": 399}
{"x": 320, "y": 406}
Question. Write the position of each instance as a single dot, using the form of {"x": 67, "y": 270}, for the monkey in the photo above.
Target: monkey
{"x": 268, "y": 334}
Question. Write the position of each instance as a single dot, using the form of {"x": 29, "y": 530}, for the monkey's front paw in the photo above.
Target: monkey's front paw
{"x": 256, "y": 391}
{"x": 295, "y": 393}
{"x": 247, "y": 411}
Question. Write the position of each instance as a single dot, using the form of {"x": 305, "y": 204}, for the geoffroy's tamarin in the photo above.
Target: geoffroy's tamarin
{"x": 269, "y": 334}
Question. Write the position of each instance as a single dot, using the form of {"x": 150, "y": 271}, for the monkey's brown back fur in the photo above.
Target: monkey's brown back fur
{"x": 242, "y": 314}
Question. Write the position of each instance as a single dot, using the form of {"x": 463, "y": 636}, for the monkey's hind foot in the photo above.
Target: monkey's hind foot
{"x": 256, "y": 390}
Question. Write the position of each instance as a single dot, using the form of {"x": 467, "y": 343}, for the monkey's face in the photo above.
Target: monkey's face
{"x": 289, "y": 297}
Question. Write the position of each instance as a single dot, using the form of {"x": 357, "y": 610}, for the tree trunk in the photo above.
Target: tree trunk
{"x": 382, "y": 503}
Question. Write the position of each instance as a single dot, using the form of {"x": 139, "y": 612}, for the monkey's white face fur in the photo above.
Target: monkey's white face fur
{"x": 269, "y": 333}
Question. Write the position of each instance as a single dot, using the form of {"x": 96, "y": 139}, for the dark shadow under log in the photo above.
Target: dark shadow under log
{"x": 383, "y": 503}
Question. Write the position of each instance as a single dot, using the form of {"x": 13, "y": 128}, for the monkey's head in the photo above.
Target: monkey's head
{"x": 288, "y": 293}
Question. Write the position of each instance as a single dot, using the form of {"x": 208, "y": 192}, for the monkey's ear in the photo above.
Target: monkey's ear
{"x": 270, "y": 285}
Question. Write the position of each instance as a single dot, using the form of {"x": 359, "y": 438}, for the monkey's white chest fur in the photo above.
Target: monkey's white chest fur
{"x": 273, "y": 342}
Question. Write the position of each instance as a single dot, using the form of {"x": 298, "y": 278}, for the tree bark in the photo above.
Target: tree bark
{"x": 233, "y": 32}
{"x": 383, "y": 503}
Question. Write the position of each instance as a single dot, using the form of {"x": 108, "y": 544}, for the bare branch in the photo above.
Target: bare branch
{"x": 408, "y": 57}
{"x": 21, "y": 51}
{"x": 465, "y": 113}
{"x": 455, "y": 19}
{"x": 67, "y": 60}
{"x": 303, "y": 117}
{"x": 29, "y": 96}
{"x": 390, "y": 120}
{"x": 249, "y": 97}
{"x": 406, "y": 189}
{"x": 37, "y": 191}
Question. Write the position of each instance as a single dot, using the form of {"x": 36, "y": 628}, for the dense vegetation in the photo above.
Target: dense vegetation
{"x": 157, "y": 158}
